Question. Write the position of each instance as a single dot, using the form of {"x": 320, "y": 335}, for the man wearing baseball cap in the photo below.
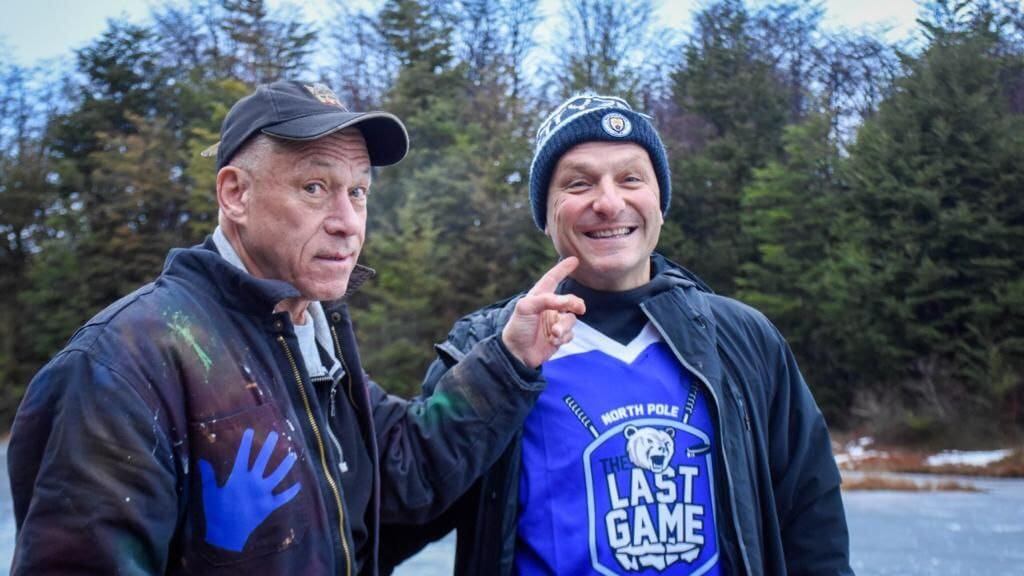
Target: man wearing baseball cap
{"x": 218, "y": 421}
{"x": 676, "y": 434}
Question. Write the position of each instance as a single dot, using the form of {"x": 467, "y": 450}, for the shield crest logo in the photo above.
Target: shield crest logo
{"x": 650, "y": 499}
{"x": 616, "y": 124}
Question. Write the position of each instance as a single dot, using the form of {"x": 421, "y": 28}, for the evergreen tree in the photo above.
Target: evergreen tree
{"x": 892, "y": 262}
{"x": 26, "y": 195}
{"x": 499, "y": 122}
{"x": 209, "y": 102}
{"x": 118, "y": 159}
{"x": 413, "y": 204}
{"x": 740, "y": 109}
{"x": 363, "y": 66}
{"x": 214, "y": 40}
{"x": 263, "y": 48}
{"x": 789, "y": 212}
{"x": 452, "y": 218}
{"x": 936, "y": 180}
{"x": 123, "y": 88}
{"x": 121, "y": 76}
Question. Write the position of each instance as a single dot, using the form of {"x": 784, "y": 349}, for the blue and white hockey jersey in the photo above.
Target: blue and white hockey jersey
{"x": 618, "y": 473}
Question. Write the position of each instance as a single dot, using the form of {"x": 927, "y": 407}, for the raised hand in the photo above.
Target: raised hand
{"x": 233, "y": 511}
{"x": 543, "y": 320}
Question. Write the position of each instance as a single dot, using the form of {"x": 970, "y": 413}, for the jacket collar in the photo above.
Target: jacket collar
{"x": 662, "y": 265}
{"x": 685, "y": 318}
{"x": 360, "y": 275}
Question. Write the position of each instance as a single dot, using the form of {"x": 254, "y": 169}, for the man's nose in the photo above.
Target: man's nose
{"x": 609, "y": 200}
{"x": 342, "y": 217}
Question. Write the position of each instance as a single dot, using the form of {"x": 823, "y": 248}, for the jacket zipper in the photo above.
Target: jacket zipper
{"x": 343, "y": 466}
{"x": 323, "y": 454}
{"x": 721, "y": 432}
{"x": 337, "y": 351}
{"x": 331, "y": 410}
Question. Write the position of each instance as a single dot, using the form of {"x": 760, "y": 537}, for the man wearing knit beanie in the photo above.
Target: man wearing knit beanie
{"x": 676, "y": 434}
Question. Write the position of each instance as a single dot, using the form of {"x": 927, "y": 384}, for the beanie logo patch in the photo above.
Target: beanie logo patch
{"x": 572, "y": 109}
{"x": 616, "y": 125}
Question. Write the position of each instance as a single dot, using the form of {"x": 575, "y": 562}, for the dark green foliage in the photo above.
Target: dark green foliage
{"x": 26, "y": 196}
{"x": 936, "y": 181}
{"x": 450, "y": 223}
{"x": 119, "y": 178}
{"x": 738, "y": 106}
{"x": 95, "y": 197}
{"x": 788, "y": 213}
{"x": 867, "y": 200}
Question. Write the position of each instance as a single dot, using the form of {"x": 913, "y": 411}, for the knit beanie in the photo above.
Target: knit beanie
{"x": 587, "y": 118}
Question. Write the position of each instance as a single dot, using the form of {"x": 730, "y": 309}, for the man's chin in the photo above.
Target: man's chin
{"x": 326, "y": 292}
{"x": 610, "y": 274}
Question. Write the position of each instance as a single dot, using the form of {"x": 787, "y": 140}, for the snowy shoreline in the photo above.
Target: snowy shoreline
{"x": 866, "y": 465}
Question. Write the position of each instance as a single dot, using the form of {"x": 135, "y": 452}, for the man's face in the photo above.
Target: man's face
{"x": 306, "y": 216}
{"x": 604, "y": 208}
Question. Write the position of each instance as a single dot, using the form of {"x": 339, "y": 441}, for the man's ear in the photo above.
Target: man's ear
{"x": 234, "y": 190}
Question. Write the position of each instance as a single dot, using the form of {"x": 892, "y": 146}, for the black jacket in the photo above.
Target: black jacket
{"x": 125, "y": 438}
{"x": 781, "y": 510}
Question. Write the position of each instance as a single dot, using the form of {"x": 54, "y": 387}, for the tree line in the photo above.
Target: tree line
{"x": 867, "y": 196}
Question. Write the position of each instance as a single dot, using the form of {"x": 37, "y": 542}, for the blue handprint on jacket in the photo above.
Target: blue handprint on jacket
{"x": 233, "y": 511}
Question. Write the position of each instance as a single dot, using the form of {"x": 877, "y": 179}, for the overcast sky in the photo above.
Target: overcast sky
{"x": 32, "y": 31}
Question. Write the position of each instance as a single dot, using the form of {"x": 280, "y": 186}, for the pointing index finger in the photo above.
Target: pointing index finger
{"x": 549, "y": 281}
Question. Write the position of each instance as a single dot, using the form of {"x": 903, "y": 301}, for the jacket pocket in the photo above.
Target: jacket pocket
{"x": 251, "y": 492}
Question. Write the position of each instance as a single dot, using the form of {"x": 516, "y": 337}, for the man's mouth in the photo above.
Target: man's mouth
{"x": 333, "y": 257}
{"x": 619, "y": 232}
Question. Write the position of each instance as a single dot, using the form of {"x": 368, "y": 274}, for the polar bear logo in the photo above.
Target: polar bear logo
{"x": 650, "y": 448}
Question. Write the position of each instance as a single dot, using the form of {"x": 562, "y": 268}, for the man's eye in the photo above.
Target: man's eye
{"x": 315, "y": 189}
{"x": 359, "y": 192}
{"x": 577, "y": 185}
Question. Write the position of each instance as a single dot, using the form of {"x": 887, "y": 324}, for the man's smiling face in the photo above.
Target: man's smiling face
{"x": 604, "y": 208}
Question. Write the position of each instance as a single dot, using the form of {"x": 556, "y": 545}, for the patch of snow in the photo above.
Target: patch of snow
{"x": 958, "y": 458}
{"x": 858, "y": 450}
{"x": 859, "y": 447}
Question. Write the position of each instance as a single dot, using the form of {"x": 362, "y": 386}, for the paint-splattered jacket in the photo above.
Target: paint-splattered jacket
{"x": 779, "y": 495}
{"x": 178, "y": 433}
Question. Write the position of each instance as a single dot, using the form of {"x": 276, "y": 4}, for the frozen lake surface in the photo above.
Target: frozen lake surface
{"x": 891, "y": 533}
{"x": 947, "y": 533}
{"x": 897, "y": 533}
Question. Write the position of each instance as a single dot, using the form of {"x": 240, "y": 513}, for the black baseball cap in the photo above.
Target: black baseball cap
{"x": 294, "y": 110}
